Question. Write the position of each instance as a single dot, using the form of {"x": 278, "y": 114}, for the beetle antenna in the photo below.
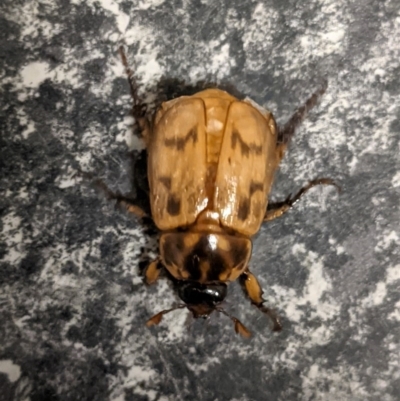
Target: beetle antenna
{"x": 156, "y": 319}
{"x": 131, "y": 79}
{"x": 139, "y": 108}
{"x": 240, "y": 328}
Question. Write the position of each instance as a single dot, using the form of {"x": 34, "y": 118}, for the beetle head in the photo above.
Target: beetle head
{"x": 201, "y": 300}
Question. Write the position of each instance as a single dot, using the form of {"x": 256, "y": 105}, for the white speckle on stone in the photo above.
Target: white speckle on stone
{"x": 67, "y": 181}
{"x": 352, "y": 164}
{"x": 35, "y": 73}
{"x": 257, "y": 37}
{"x": 121, "y": 18}
{"x": 63, "y": 74}
{"x": 377, "y": 297}
{"x": 84, "y": 159}
{"x": 334, "y": 36}
{"x": 393, "y": 274}
{"x": 146, "y": 4}
{"x": 324, "y": 43}
{"x": 149, "y": 70}
{"x": 221, "y": 62}
{"x": 395, "y": 315}
{"x": 28, "y": 130}
{"x": 23, "y": 193}
{"x": 133, "y": 142}
{"x": 387, "y": 240}
{"x": 340, "y": 250}
{"x": 396, "y": 180}
{"x": 13, "y": 237}
{"x": 138, "y": 374}
{"x": 10, "y": 369}
{"x": 298, "y": 249}
{"x": 317, "y": 285}
{"x": 321, "y": 336}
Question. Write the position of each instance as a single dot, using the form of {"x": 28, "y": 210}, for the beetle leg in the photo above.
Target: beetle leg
{"x": 277, "y": 209}
{"x": 285, "y": 133}
{"x": 139, "y": 107}
{"x": 122, "y": 201}
{"x": 152, "y": 271}
{"x": 253, "y": 291}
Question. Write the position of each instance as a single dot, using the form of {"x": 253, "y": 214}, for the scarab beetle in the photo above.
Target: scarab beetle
{"x": 211, "y": 164}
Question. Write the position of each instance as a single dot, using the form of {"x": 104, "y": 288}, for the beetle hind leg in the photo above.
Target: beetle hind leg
{"x": 278, "y": 209}
{"x": 139, "y": 107}
{"x": 253, "y": 291}
{"x": 285, "y": 133}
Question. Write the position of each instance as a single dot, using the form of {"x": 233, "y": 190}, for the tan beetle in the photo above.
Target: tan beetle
{"x": 211, "y": 165}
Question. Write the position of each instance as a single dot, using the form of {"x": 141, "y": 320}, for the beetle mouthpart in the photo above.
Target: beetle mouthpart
{"x": 201, "y": 310}
{"x": 156, "y": 319}
{"x": 240, "y": 328}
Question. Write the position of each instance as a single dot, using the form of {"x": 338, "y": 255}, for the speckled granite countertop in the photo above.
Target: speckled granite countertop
{"x": 72, "y": 303}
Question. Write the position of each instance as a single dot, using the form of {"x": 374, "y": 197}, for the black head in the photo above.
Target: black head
{"x": 201, "y": 299}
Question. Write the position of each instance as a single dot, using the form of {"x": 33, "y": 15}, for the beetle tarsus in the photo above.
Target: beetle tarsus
{"x": 277, "y": 325}
{"x": 252, "y": 289}
{"x": 280, "y": 208}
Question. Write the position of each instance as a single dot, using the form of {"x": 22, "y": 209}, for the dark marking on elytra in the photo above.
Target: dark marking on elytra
{"x": 166, "y": 181}
{"x": 244, "y": 209}
{"x": 180, "y": 143}
{"x": 173, "y": 205}
{"x": 256, "y": 186}
{"x": 244, "y": 204}
{"x": 245, "y": 148}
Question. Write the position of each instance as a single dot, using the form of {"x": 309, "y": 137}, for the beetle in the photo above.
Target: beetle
{"x": 211, "y": 165}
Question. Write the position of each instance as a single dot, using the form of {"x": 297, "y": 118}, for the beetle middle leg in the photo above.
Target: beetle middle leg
{"x": 139, "y": 107}
{"x": 121, "y": 200}
{"x": 277, "y": 209}
{"x": 252, "y": 289}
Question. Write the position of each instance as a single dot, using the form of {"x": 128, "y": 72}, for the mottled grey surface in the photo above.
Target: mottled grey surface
{"x": 72, "y": 304}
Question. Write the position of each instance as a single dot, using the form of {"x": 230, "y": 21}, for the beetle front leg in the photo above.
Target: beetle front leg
{"x": 253, "y": 291}
{"x": 277, "y": 209}
{"x": 139, "y": 107}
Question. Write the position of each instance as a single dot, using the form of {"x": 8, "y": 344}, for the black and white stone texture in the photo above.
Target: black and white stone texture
{"x": 72, "y": 302}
